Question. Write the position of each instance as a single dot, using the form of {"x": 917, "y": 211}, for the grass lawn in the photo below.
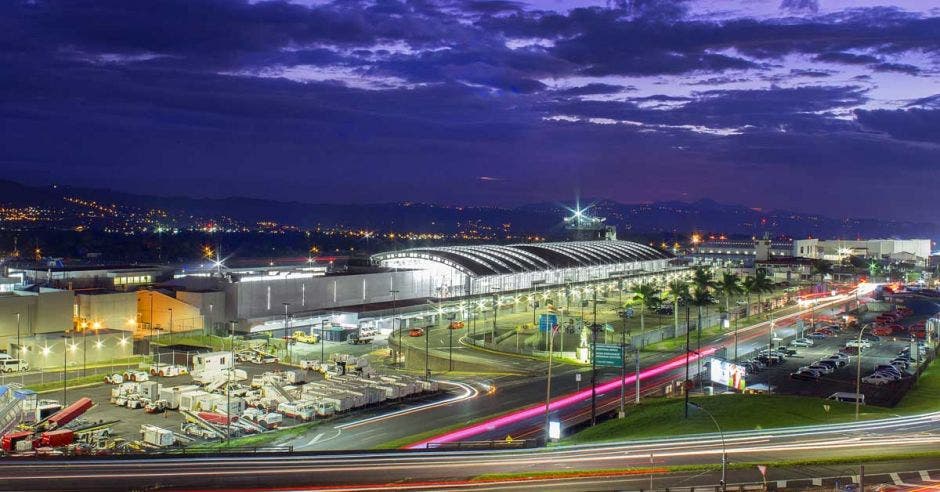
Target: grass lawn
{"x": 73, "y": 382}
{"x": 666, "y": 416}
{"x": 925, "y": 395}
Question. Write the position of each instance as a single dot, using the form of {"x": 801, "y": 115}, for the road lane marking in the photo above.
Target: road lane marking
{"x": 894, "y": 478}
{"x": 315, "y": 440}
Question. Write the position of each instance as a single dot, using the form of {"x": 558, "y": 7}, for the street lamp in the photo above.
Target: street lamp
{"x": 286, "y": 333}
{"x": 398, "y": 355}
{"x": 724, "y": 451}
{"x": 858, "y": 372}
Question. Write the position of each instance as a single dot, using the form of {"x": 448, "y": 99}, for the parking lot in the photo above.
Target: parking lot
{"x": 843, "y": 378}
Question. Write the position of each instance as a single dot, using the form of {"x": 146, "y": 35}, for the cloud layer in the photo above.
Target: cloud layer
{"x": 799, "y": 104}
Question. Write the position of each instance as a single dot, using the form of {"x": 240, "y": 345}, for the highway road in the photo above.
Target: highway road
{"x": 574, "y": 408}
{"x": 504, "y": 394}
{"x": 463, "y": 470}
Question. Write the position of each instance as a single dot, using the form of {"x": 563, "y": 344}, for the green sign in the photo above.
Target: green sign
{"x": 609, "y": 354}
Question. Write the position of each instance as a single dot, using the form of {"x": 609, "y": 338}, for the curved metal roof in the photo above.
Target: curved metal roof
{"x": 518, "y": 258}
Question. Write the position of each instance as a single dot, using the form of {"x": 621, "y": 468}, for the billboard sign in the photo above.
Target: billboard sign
{"x": 728, "y": 374}
{"x": 547, "y": 322}
{"x": 609, "y": 354}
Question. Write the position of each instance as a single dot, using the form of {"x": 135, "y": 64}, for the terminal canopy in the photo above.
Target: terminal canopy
{"x": 484, "y": 260}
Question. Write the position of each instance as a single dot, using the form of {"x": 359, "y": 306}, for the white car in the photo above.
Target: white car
{"x": 877, "y": 379}
{"x": 856, "y": 343}
{"x": 825, "y": 369}
{"x": 802, "y": 342}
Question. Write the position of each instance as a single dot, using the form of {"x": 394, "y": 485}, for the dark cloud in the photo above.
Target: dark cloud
{"x": 897, "y": 67}
{"x": 109, "y": 91}
{"x": 800, "y": 6}
{"x": 595, "y": 88}
{"x": 911, "y": 124}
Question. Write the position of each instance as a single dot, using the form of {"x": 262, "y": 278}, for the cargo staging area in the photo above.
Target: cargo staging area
{"x": 220, "y": 397}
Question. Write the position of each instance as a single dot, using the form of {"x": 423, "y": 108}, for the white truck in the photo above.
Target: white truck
{"x": 8, "y": 363}
{"x": 168, "y": 370}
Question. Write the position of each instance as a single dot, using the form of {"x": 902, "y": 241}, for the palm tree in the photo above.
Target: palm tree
{"x": 822, "y": 268}
{"x": 702, "y": 283}
{"x": 677, "y": 289}
{"x": 648, "y": 295}
{"x": 748, "y": 286}
{"x": 762, "y": 284}
{"x": 729, "y": 285}
{"x": 699, "y": 297}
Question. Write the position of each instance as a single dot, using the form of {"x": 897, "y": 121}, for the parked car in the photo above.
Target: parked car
{"x": 900, "y": 364}
{"x": 887, "y": 367}
{"x": 802, "y": 342}
{"x": 786, "y": 351}
{"x": 893, "y": 376}
{"x": 877, "y": 379}
{"x": 831, "y": 363}
{"x": 824, "y": 368}
{"x": 856, "y": 343}
{"x": 416, "y": 332}
{"x": 840, "y": 362}
{"x": 805, "y": 375}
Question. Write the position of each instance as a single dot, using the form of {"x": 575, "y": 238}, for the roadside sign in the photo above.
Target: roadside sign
{"x": 509, "y": 439}
{"x": 763, "y": 470}
{"x": 547, "y": 321}
{"x": 608, "y": 354}
{"x": 577, "y": 377}
{"x": 554, "y": 429}
{"x": 629, "y": 313}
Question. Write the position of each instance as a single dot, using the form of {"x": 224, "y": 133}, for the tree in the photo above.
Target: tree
{"x": 729, "y": 285}
{"x": 762, "y": 285}
{"x": 648, "y": 295}
{"x": 748, "y": 285}
{"x": 678, "y": 290}
{"x": 822, "y": 268}
{"x": 703, "y": 282}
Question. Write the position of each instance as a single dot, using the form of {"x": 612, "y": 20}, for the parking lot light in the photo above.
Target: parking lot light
{"x": 858, "y": 372}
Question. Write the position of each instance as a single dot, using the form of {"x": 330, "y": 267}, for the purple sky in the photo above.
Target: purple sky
{"x": 809, "y": 105}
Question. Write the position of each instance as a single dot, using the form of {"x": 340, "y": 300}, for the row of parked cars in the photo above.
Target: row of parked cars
{"x": 766, "y": 358}
{"x": 895, "y": 369}
{"x": 821, "y": 367}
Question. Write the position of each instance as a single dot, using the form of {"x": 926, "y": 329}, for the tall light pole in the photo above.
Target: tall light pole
{"x": 548, "y": 381}
{"x": 623, "y": 366}
{"x": 228, "y": 386}
{"x": 399, "y": 354}
{"x": 858, "y": 372}
{"x": 286, "y": 332}
{"x": 19, "y": 348}
{"x": 594, "y": 362}
{"x": 724, "y": 452}
{"x": 171, "y": 327}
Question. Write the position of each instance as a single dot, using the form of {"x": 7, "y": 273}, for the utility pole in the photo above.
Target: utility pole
{"x": 548, "y": 382}
{"x": 427, "y": 353}
{"x": 623, "y": 368}
{"x": 637, "y": 374}
{"x": 286, "y": 331}
{"x": 685, "y": 384}
{"x": 394, "y": 293}
{"x": 594, "y": 363}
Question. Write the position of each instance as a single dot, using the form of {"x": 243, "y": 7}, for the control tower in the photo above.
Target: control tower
{"x": 582, "y": 226}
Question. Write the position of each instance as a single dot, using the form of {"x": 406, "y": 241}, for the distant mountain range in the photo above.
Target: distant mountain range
{"x": 67, "y": 207}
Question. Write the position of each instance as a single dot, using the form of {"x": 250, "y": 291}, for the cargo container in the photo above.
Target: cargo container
{"x": 149, "y": 390}
{"x": 57, "y": 438}
{"x": 189, "y": 400}
{"x": 172, "y": 394}
{"x": 9, "y": 441}
{"x": 69, "y": 413}
{"x": 157, "y": 436}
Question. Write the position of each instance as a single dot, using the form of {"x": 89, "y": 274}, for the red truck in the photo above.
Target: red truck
{"x": 8, "y": 443}
{"x": 57, "y": 438}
